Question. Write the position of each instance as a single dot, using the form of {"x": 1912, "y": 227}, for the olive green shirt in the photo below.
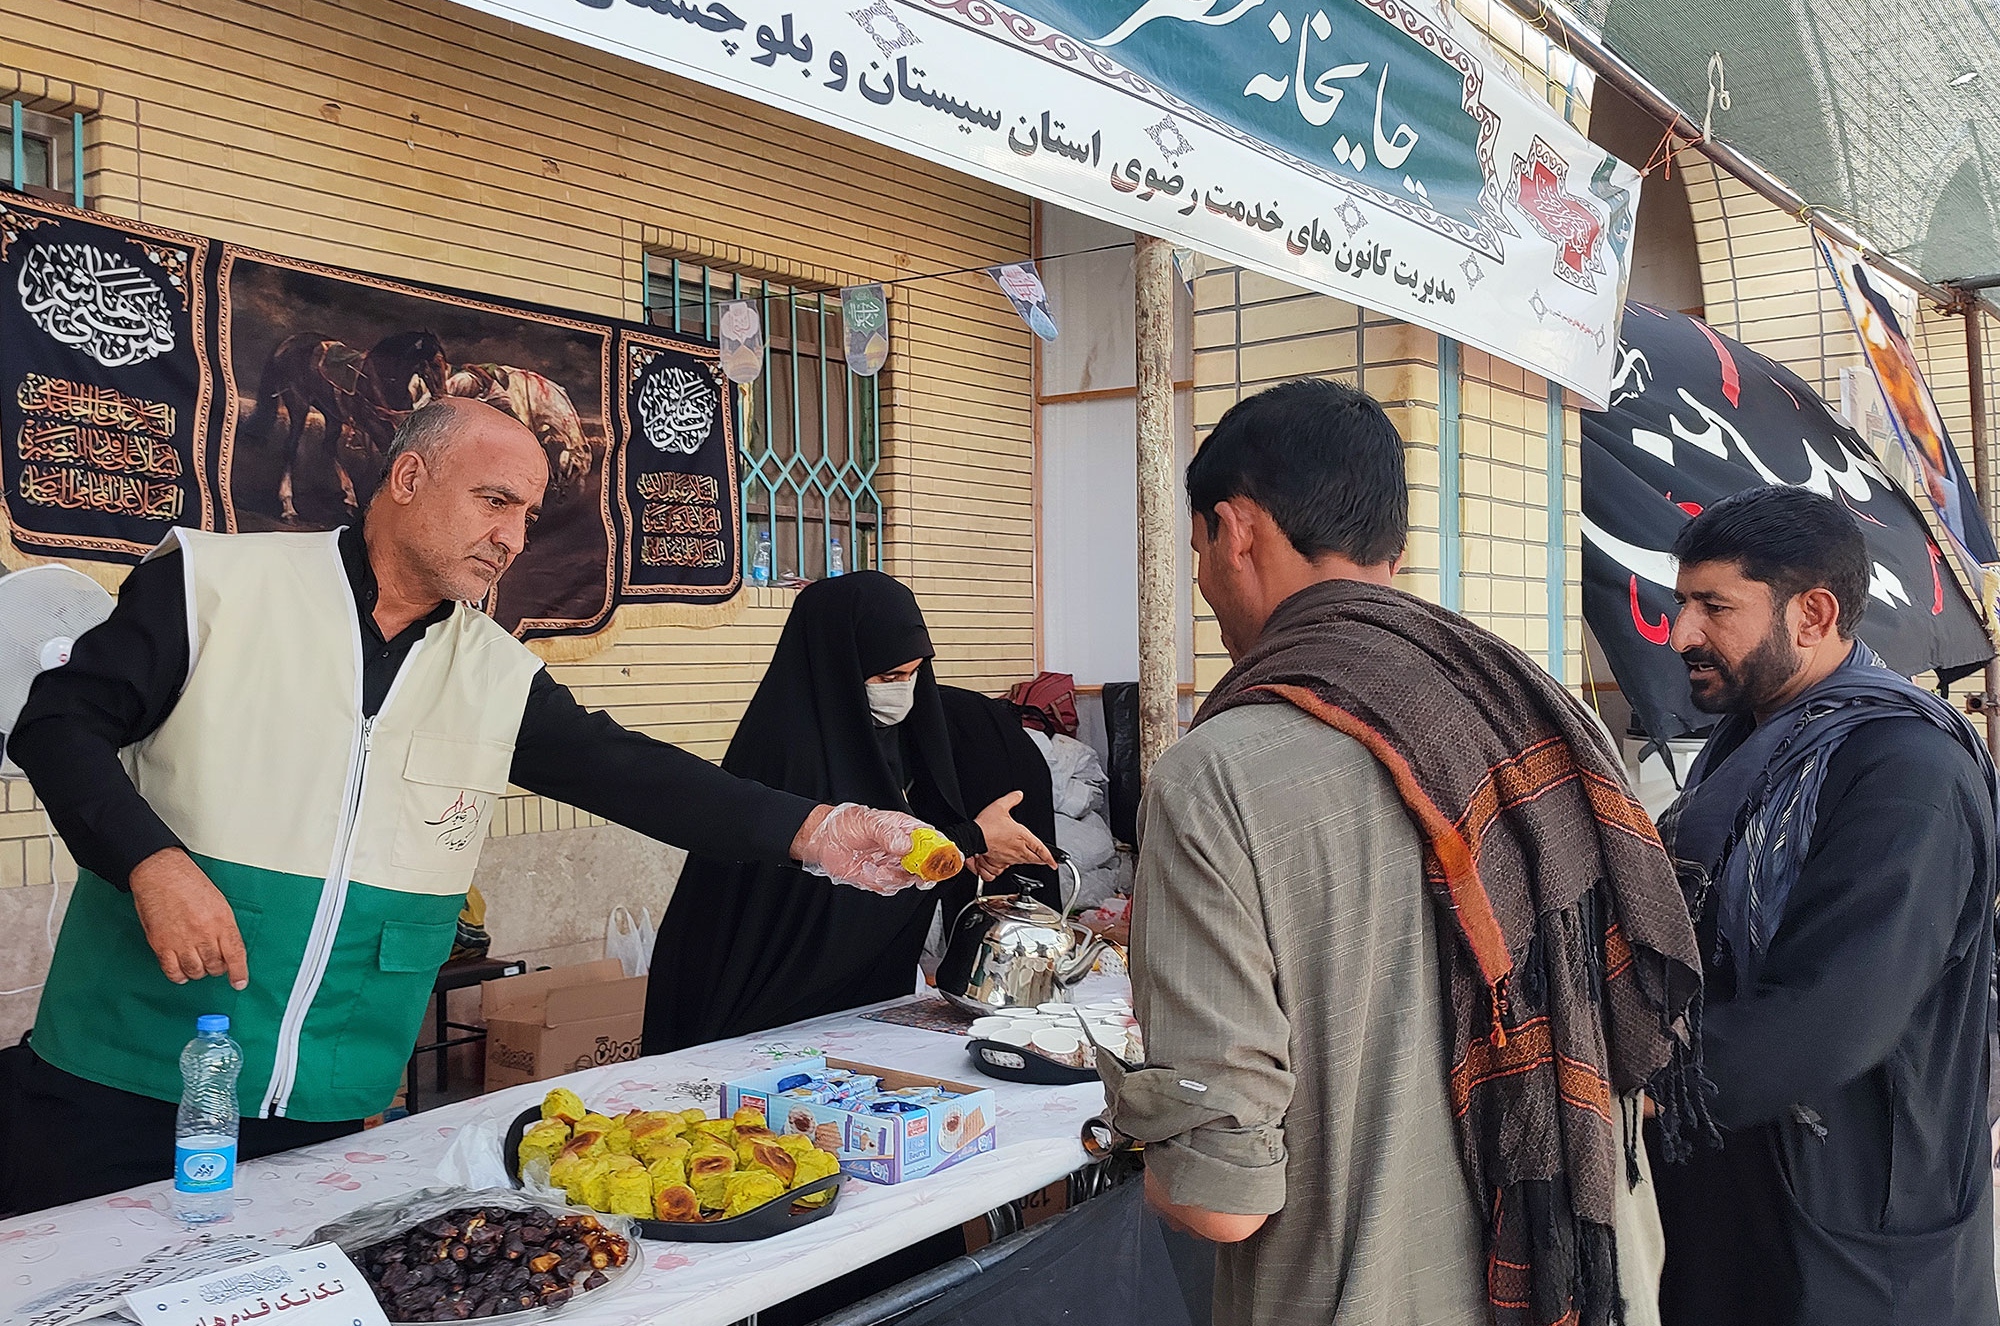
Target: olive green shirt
{"x": 1285, "y": 972}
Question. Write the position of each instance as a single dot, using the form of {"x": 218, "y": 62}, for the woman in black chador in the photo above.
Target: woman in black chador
{"x": 848, "y": 711}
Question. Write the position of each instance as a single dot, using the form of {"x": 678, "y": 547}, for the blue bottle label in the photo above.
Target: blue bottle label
{"x": 204, "y": 1164}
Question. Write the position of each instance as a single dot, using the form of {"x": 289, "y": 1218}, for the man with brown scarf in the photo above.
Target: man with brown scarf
{"x": 1403, "y": 942}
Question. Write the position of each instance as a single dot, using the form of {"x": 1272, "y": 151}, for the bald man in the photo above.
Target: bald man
{"x": 274, "y": 765}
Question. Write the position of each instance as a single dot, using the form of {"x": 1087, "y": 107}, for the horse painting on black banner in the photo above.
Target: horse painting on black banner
{"x": 1694, "y": 417}
{"x": 324, "y": 365}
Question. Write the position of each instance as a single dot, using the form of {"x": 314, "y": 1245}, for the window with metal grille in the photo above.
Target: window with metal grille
{"x": 45, "y": 154}
{"x": 808, "y": 429}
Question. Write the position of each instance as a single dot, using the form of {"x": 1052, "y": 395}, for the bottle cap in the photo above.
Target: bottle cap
{"x": 211, "y": 1022}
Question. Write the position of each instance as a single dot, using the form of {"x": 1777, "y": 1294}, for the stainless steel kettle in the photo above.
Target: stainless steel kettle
{"x": 1010, "y": 951}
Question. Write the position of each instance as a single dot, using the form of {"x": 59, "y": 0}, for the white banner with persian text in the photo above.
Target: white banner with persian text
{"x": 1368, "y": 149}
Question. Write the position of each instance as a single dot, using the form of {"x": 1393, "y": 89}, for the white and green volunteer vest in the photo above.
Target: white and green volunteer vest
{"x": 345, "y": 847}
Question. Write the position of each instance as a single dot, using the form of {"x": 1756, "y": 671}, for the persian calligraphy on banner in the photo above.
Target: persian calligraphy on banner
{"x": 1694, "y": 418}
{"x": 150, "y": 379}
{"x": 1370, "y": 149}
{"x": 104, "y": 383}
{"x": 676, "y": 480}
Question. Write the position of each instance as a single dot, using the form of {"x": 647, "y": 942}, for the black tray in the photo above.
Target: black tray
{"x": 1013, "y": 1063}
{"x": 774, "y": 1217}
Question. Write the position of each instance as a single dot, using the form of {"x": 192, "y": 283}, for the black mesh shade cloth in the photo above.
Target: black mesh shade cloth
{"x": 1864, "y": 107}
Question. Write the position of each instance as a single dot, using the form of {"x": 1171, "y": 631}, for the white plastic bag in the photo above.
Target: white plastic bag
{"x": 629, "y": 940}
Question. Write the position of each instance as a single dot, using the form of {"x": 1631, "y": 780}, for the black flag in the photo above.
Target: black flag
{"x": 1694, "y": 417}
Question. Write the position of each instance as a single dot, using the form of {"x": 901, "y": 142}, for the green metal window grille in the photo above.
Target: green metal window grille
{"x": 40, "y": 161}
{"x": 809, "y": 431}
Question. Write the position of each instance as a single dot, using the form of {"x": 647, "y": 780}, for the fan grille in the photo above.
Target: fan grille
{"x": 37, "y": 605}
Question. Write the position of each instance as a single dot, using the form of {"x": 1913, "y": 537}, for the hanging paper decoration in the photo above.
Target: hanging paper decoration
{"x": 741, "y": 332}
{"x": 864, "y": 312}
{"x": 1189, "y": 264}
{"x": 1020, "y": 283}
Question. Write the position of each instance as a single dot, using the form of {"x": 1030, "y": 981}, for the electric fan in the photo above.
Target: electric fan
{"x": 43, "y": 609}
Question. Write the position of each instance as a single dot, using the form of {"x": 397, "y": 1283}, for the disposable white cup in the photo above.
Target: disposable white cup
{"x": 1057, "y": 1044}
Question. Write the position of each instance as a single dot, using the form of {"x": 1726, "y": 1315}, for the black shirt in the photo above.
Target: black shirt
{"x": 124, "y": 677}
{"x": 1854, "y": 1187}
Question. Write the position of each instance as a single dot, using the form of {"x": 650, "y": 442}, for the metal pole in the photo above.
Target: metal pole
{"x": 1159, "y": 706}
{"x": 1982, "y": 473}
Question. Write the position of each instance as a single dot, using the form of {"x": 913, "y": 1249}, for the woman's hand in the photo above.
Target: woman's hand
{"x": 1008, "y": 843}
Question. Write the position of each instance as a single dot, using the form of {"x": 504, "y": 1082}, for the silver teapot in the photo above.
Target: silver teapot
{"x": 1009, "y": 951}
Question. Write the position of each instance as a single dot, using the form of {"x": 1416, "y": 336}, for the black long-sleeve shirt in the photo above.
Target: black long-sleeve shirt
{"x": 1854, "y": 1187}
{"x": 124, "y": 677}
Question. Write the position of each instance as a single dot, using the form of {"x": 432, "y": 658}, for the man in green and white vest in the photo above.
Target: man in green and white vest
{"x": 275, "y": 765}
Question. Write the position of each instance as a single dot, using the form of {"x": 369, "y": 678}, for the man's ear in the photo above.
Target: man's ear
{"x": 1818, "y": 617}
{"x": 1236, "y": 529}
{"x": 403, "y": 477}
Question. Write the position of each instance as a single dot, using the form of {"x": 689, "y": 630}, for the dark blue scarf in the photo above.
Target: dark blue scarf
{"x": 1747, "y": 817}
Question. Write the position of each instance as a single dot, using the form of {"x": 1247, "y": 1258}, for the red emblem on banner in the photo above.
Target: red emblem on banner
{"x": 1559, "y": 217}
{"x": 1651, "y": 632}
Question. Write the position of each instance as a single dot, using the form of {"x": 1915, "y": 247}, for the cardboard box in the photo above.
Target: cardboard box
{"x": 1035, "y": 1208}
{"x": 881, "y": 1148}
{"x": 548, "y": 1023}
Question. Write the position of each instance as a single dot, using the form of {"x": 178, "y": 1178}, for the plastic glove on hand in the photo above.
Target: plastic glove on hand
{"x": 878, "y": 850}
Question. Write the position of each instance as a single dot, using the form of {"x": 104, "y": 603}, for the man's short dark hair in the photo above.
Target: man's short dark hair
{"x": 1322, "y": 458}
{"x": 1790, "y": 539}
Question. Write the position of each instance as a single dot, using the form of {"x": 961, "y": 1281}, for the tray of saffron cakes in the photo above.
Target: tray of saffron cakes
{"x": 682, "y": 1175}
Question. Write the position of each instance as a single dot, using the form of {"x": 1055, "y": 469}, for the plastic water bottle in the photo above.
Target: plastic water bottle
{"x": 836, "y": 560}
{"x": 205, "y": 1131}
{"x": 760, "y": 563}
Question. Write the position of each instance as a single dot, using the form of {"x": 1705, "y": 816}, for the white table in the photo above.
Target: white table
{"x": 286, "y": 1197}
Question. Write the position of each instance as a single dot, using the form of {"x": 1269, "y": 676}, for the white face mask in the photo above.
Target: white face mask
{"x": 890, "y": 702}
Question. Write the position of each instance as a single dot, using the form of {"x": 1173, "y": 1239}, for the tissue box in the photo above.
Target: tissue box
{"x": 881, "y": 1148}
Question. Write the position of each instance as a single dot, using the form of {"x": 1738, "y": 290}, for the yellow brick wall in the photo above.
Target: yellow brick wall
{"x": 1252, "y": 331}
{"x": 418, "y": 139}
{"x": 1763, "y": 281}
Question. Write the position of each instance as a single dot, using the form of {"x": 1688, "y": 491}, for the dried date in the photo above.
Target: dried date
{"x": 487, "y": 1262}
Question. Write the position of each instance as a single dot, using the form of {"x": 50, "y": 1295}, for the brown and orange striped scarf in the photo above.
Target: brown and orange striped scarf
{"x": 1568, "y": 955}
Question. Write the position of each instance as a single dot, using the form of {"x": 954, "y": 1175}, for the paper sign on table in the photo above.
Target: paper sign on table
{"x": 316, "y": 1286}
{"x": 100, "y": 1294}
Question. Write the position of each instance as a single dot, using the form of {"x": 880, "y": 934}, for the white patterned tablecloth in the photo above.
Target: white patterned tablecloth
{"x": 286, "y": 1197}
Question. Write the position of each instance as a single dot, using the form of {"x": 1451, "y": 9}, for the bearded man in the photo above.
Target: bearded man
{"x": 1841, "y": 822}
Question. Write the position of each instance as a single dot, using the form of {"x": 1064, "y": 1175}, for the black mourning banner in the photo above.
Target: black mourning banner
{"x": 1694, "y": 417}
{"x": 151, "y": 379}
{"x": 105, "y": 383}
{"x": 676, "y": 473}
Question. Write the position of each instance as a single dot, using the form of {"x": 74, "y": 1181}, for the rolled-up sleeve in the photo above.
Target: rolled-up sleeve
{"x": 1211, "y": 1102}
